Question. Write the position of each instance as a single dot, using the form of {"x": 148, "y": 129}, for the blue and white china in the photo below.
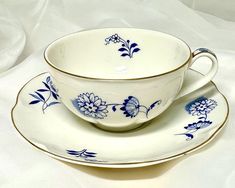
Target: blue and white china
{"x": 190, "y": 123}
{"x": 119, "y": 78}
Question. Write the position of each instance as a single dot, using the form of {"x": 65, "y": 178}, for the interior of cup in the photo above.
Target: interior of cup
{"x": 117, "y": 53}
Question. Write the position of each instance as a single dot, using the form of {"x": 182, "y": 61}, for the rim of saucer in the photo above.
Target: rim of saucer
{"x": 119, "y": 164}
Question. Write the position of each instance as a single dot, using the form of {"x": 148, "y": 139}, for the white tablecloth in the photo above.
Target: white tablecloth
{"x": 27, "y": 26}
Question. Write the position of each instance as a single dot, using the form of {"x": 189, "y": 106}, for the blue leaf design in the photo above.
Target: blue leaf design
{"x": 35, "y": 102}
{"x": 45, "y": 98}
{"x": 122, "y": 49}
{"x": 54, "y": 95}
{"x": 133, "y": 45}
{"x": 123, "y": 55}
{"x": 48, "y": 79}
{"x": 135, "y": 50}
{"x": 35, "y": 96}
{"x": 47, "y": 86}
{"x": 53, "y": 103}
{"x": 89, "y": 155}
{"x": 114, "y": 108}
{"x": 40, "y": 95}
{"x": 42, "y": 90}
{"x": 154, "y": 104}
{"x": 190, "y": 136}
{"x": 72, "y": 152}
{"x": 82, "y": 154}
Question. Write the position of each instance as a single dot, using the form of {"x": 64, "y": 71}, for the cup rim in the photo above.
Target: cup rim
{"x": 116, "y": 79}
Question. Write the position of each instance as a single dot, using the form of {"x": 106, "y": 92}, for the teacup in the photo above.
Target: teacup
{"x": 119, "y": 78}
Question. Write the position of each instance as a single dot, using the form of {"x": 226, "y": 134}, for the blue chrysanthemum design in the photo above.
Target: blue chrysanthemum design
{"x": 93, "y": 106}
{"x": 200, "y": 107}
{"x": 48, "y": 95}
{"x": 127, "y": 48}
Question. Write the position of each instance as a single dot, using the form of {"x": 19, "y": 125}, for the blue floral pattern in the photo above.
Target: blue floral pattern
{"x": 90, "y": 105}
{"x": 200, "y": 107}
{"x": 93, "y": 106}
{"x": 127, "y": 48}
{"x": 86, "y": 155}
{"x": 47, "y": 96}
{"x": 131, "y": 107}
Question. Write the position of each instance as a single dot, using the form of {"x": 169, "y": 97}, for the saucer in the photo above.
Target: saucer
{"x": 190, "y": 123}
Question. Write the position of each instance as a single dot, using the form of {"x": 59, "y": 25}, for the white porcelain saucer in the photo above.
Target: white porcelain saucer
{"x": 190, "y": 123}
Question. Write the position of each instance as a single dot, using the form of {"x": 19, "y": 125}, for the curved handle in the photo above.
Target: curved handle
{"x": 201, "y": 52}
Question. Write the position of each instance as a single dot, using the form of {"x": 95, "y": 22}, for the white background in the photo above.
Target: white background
{"x": 27, "y": 26}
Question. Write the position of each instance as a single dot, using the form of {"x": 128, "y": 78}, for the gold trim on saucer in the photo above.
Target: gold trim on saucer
{"x": 119, "y": 165}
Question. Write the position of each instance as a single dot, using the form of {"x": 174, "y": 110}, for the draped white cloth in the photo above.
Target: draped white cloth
{"x": 27, "y": 26}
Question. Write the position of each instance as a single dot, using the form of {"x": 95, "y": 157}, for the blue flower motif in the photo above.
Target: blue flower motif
{"x": 198, "y": 125}
{"x": 200, "y": 106}
{"x": 127, "y": 48}
{"x": 131, "y": 107}
{"x": 113, "y": 38}
{"x": 90, "y": 105}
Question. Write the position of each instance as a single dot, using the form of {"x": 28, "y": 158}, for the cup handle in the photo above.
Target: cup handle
{"x": 201, "y": 52}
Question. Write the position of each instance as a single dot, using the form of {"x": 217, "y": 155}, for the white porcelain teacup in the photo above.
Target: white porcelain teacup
{"x": 119, "y": 78}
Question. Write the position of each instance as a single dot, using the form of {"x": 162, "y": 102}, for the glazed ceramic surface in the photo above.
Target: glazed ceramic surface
{"x": 187, "y": 125}
{"x": 119, "y": 78}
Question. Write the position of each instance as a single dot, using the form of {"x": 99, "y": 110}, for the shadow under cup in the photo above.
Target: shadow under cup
{"x": 118, "y": 78}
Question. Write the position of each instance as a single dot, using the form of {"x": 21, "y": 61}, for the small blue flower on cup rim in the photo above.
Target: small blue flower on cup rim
{"x": 200, "y": 106}
{"x": 90, "y": 105}
{"x": 115, "y": 38}
{"x": 127, "y": 48}
{"x": 131, "y": 107}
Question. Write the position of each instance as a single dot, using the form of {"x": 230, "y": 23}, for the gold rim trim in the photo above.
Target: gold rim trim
{"x": 96, "y": 78}
{"x": 128, "y": 164}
